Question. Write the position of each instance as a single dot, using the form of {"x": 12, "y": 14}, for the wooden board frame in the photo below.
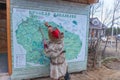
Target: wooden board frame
{"x": 9, "y": 38}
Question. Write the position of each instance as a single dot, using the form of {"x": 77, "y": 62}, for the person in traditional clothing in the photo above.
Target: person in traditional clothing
{"x": 54, "y": 49}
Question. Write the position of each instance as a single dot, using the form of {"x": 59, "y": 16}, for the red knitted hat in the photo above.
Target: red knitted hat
{"x": 55, "y": 33}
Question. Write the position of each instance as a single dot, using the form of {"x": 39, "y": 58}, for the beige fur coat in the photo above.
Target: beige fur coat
{"x": 58, "y": 65}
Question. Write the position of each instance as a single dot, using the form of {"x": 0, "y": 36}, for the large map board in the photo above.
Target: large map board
{"x": 27, "y": 39}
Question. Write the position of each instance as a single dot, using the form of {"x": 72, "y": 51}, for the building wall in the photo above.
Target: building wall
{"x": 3, "y": 31}
{"x": 53, "y": 6}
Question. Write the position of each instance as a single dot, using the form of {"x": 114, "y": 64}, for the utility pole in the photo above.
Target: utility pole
{"x": 113, "y": 17}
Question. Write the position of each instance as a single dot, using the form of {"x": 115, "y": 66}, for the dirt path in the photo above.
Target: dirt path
{"x": 109, "y": 71}
{"x": 98, "y": 74}
{"x": 102, "y": 73}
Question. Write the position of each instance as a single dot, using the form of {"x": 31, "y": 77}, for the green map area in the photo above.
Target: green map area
{"x": 29, "y": 36}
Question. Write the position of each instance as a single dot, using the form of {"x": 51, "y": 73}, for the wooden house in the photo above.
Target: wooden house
{"x": 3, "y": 39}
{"x": 96, "y": 27}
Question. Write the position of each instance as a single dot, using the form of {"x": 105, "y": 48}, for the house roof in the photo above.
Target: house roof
{"x": 95, "y": 23}
{"x": 84, "y": 1}
{"x": 77, "y": 1}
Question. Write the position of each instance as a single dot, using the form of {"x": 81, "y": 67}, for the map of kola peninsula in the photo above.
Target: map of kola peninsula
{"x": 28, "y": 42}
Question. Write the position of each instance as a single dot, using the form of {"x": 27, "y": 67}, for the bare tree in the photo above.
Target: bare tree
{"x": 106, "y": 16}
{"x": 115, "y": 14}
{"x": 95, "y": 8}
{"x": 109, "y": 17}
{"x": 100, "y": 9}
{"x": 94, "y": 45}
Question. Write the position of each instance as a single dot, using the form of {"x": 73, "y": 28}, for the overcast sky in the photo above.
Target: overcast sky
{"x": 108, "y": 3}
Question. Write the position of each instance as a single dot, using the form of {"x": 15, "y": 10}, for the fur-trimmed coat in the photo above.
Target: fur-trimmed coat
{"x": 58, "y": 65}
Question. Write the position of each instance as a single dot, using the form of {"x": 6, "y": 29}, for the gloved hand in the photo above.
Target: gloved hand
{"x": 46, "y": 24}
{"x": 45, "y": 44}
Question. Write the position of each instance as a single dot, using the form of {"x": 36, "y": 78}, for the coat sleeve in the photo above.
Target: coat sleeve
{"x": 54, "y": 50}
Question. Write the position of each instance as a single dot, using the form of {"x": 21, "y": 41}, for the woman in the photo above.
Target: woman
{"x": 54, "y": 49}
